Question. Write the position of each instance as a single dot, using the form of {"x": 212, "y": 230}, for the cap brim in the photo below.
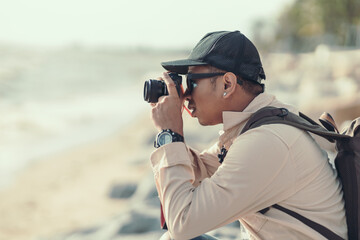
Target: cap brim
{"x": 181, "y": 66}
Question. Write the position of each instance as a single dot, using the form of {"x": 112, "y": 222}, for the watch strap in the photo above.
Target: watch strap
{"x": 176, "y": 137}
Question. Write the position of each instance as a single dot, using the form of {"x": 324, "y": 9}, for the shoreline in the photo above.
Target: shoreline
{"x": 42, "y": 129}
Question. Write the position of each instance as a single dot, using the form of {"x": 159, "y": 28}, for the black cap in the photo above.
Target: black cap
{"x": 229, "y": 51}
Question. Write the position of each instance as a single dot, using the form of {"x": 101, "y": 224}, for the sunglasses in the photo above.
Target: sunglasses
{"x": 191, "y": 77}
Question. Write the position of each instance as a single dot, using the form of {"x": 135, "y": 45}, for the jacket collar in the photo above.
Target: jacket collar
{"x": 233, "y": 122}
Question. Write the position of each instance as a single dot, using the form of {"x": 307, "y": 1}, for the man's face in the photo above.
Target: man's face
{"x": 206, "y": 97}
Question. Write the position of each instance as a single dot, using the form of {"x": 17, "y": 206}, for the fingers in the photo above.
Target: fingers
{"x": 170, "y": 85}
{"x": 166, "y": 113}
{"x": 171, "y": 90}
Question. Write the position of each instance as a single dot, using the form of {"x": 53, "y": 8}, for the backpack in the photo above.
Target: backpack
{"x": 347, "y": 161}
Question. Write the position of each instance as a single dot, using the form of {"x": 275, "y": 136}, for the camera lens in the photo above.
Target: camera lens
{"x": 146, "y": 91}
{"x": 153, "y": 89}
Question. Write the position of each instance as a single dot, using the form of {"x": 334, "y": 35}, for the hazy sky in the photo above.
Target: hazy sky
{"x": 156, "y": 23}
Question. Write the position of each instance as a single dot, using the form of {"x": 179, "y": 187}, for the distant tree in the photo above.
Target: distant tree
{"x": 307, "y": 23}
{"x": 264, "y": 34}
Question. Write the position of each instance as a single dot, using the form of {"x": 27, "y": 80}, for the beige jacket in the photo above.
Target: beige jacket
{"x": 266, "y": 165}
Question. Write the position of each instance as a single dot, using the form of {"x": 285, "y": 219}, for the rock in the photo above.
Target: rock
{"x": 146, "y": 191}
{"x": 141, "y": 236}
{"x": 139, "y": 222}
{"x": 136, "y": 222}
{"x": 235, "y": 224}
{"x": 122, "y": 190}
{"x": 226, "y": 233}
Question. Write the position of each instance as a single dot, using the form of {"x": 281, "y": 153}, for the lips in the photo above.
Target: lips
{"x": 192, "y": 109}
{"x": 193, "y": 112}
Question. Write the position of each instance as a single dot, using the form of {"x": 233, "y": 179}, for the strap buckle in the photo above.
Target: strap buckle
{"x": 284, "y": 112}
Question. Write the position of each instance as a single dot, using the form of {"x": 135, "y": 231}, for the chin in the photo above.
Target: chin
{"x": 205, "y": 123}
{"x": 201, "y": 122}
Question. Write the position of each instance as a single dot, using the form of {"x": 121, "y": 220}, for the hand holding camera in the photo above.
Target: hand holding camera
{"x": 153, "y": 89}
{"x": 166, "y": 102}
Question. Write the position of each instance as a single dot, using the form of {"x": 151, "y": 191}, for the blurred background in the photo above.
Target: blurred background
{"x": 75, "y": 133}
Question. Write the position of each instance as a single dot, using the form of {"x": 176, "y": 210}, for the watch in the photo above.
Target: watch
{"x": 167, "y": 136}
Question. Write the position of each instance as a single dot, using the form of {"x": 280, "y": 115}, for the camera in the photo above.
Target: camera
{"x": 153, "y": 89}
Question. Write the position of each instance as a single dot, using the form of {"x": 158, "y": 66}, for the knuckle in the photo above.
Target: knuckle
{"x": 171, "y": 84}
{"x": 165, "y": 100}
{"x": 155, "y": 109}
{"x": 160, "y": 100}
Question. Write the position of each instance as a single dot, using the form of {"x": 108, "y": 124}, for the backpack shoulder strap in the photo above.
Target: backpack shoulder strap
{"x": 273, "y": 115}
{"x": 317, "y": 227}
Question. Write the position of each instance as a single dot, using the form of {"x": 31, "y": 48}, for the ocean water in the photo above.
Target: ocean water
{"x": 54, "y": 99}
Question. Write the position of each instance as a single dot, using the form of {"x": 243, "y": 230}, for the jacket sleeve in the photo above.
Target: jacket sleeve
{"x": 205, "y": 163}
{"x": 254, "y": 175}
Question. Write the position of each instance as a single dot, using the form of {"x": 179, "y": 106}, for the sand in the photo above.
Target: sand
{"x": 69, "y": 190}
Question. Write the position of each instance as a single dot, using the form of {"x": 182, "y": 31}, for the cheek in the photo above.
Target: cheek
{"x": 203, "y": 91}
{"x": 204, "y": 96}
{"x": 207, "y": 105}
{"x": 201, "y": 99}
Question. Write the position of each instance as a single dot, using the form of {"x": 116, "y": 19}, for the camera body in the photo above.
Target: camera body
{"x": 153, "y": 89}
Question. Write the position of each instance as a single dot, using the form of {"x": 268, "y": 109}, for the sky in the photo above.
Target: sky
{"x": 156, "y": 23}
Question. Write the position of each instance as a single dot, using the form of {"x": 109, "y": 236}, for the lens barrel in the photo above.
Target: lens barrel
{"x": 153, "y": 89}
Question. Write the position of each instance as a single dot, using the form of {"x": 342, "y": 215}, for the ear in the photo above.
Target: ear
{"x": 230, "y": 82}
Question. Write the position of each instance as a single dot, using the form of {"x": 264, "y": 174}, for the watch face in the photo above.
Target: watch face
{"x": 165, "y": 138}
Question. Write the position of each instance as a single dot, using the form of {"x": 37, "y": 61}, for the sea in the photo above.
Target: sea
{"x": 52, "y": 99}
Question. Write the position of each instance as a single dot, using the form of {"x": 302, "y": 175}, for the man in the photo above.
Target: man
{"x": 271, "y": 164}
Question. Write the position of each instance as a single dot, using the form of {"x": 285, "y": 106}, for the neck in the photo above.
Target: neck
{"x": 238, "y": 101}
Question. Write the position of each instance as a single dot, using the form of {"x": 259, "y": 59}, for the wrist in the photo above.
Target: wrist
{"x": 180, "y": 132}
{"x": 167, "y": 136}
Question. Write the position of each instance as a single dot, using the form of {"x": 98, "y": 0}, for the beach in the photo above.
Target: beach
{"x": 70, "y": 190}
{"x": 71, "y": 130}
